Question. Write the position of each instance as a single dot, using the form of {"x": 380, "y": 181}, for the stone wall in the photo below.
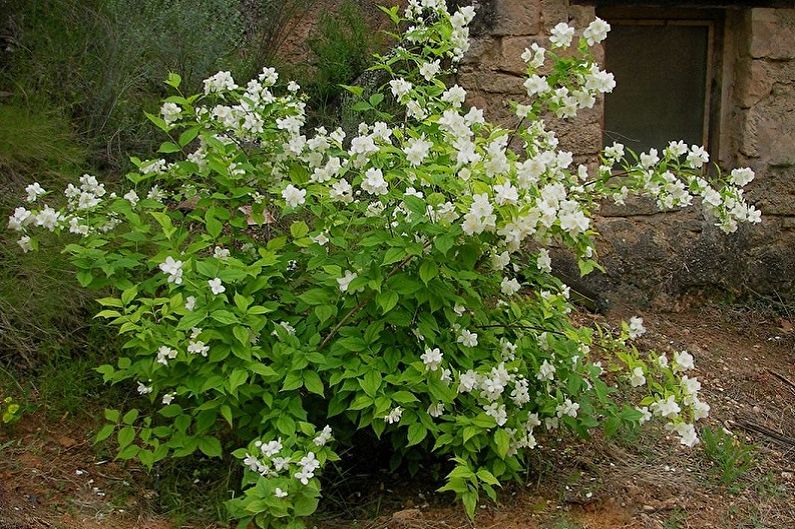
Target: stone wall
{"x": 651, "y": 255}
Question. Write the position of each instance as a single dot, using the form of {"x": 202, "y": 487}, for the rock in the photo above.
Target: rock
{"x": 405, "y": 519}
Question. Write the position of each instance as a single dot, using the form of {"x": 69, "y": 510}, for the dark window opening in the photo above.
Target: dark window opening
{"x": 666, "y": 65}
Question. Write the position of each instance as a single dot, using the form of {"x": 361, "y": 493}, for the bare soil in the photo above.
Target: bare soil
{"x": 52, "y": 477}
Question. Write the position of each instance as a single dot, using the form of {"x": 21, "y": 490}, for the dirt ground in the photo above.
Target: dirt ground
{"x": 52, "y": 477}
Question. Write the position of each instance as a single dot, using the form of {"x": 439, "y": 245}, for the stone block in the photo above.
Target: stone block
{"x": 773, "y": 33}
{"x": 515, "y": 17}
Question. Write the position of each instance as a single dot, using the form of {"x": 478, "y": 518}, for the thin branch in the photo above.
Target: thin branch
{"x": 772, "y": 434}
{"x": 783, "y": 379}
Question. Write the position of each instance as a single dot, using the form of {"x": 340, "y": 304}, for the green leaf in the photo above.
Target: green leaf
{"x": 393, "y": 255}
{"x": 226, "y": 413}
{"x": 313, "y": 383}
{"x": 104, "y": 432}
{"x": 428, "y": 270}
{"x": 84, "y": 277}
{"x": 165, "y": 223}
{"x": 299, "y": 229}
{"x": 376, "y": 99}
{"x": 355, "y": 90}
{"x": 210, "y": 446}
{"x": 324, "y": 312}
{"x": 316, "y": 296}
{"x": 503, "y": 442}
{"x": 125, "y": 436}
{"x": 387, "y": 300}
{"x": 417, "y": 433}
{"x": 214, "y": 226}
{"x": 404, "y": 397}
{"x": 237, "y": 379}
{"x": 304, "y": 505}
{"x": 371, "y": 382}
{"x": 112, "y": 415}
{"x": 173, "y": 80}
{"x": 188, "y": 136}
{"x": 242, "y": 335}
{"x": 224, "y": 316}
{"x": 168, "y": 148}
{"x": 130, "y": 417}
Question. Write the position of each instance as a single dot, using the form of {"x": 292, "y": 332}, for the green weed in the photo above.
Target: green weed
{"x": 731, "y": 458}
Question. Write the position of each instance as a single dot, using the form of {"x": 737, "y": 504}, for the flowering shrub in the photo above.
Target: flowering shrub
{"x": 280, "y": 291}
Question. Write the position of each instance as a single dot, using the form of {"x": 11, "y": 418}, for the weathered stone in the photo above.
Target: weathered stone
{"x": 492, "y": 82}
{"x": 773, "y": 33}
{"x": 754, "y": 82}
{"x": 516, "y": 17}
{"x": 482, "y": 51}
{"x": 553, "y": 12}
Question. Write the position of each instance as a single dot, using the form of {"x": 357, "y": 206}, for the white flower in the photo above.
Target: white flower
{"x": 198, "y": 347}
{"x": 683, "y": 361}
{"x": 323, "y": 437}
{"x": 687, "y": 434}
{"x": 567, "y": 408}
{"x": 19, "y": 219}
{"x": 293, "y": 87}
{"x": 294, "y": 196}
{"x": 131, "y": 197}
{"x": 143, "y": 389}
{"x": 221, "y": 253}
{"x": 216, "y": 286}
{"x": 543, "y": 261}
{"x": 320, "y": 239}
{"x": 455, "y": 95}
{"x": 400, "y": 88}
{"x": 562, "y": 34}
{"x": 190, "y": 303}
{"x": 374, "y": 182}
{"x": 667, "y": 408}
{"x": 536, "y": 84}
{"x": 432, "y": 358}
{"x": 48, "y": 218}
{"x": 596, "y": 31}
{"x": 467, "y": 338}
{"x": 637, "y": 378}
{"x": 271, "y": 448}
{"x": 636, "y": 328}
{"x": 436, "y": 410}
{"x": 34, "y": 191}
{"x": 164, "y": 354}
{"x": 417, "y": 150}
{"x": 742, "y": 176}
{"x": 341, "y": 191}
{"x": 697, "y": 156}
{"x": 394, "y": 415}
{"x": 700, "y": 409}
{"x": 168, "y": 398}
{"x": 170, "y": 112}
{"x": 498, "y": 412}
{"x": 459, "y": 309}
{"x": 220, "y": 82}
{"x": 429, "y": 70}
{"x": 25, "y": 243}
{"x": 505, "y": 194}
{"x": 509, "y": 287}
{"x": 279, "y": 493}
{"x": 173, "y": 269}
{"x": 645, "y": 415}
{"x": 345, "y": 281}
{"x": 252, "y": 462}
{"x": 546, "y": 371}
